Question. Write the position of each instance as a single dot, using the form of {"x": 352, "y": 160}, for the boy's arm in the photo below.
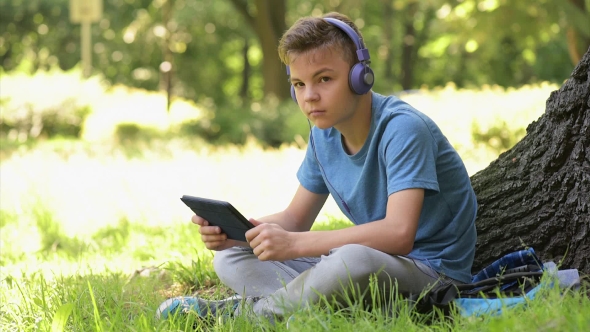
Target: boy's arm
{"x": 394, "y": 234}
{"x": 297, "y": 217}
{"x": 301, "y": 213}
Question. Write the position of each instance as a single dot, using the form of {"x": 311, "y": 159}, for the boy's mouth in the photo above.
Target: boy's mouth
{"x": 313, "y": 113}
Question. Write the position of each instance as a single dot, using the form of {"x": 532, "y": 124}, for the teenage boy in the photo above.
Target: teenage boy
{"x": 388, "y": 167}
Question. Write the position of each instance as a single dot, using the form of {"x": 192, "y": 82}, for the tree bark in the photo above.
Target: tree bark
{"x": 538, "y": 193}
{"x": 269, "y": 24}
{"x": 388, "y": 19}
{"x": 245, "y": 73}
{"x": 408, "y": 45}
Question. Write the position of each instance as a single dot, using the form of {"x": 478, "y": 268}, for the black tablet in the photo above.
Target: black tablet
{"x": 220, "y": 213}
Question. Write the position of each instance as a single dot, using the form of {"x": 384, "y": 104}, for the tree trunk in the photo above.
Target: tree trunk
{"x": 576, "y": 41}
{"x": 246, "y": 72}
{"x": 409, "y": 40}
{"x": 388, "y": 19}
{"x": 538, "y": 193}
{"x": 269, "y": 24}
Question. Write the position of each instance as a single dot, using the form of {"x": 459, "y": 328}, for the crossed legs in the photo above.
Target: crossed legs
{"x": 286, "y": 286}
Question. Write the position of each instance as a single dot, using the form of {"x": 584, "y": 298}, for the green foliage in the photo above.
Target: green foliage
{"x": 579, "y": 19}
{"x": 28, "y": 121}
{"x": 130, "y": 42}
{"x": 469, "y": 42}
{"x": 196, "y": 276}
{"x": 9, "y": 225}
{"x": 270, "y": 122}
{"x": 224, "y": 124}
{"x": 500, "y": 136}
{"x": 39, "y": 234}
{"x": 276, "y": 123}
{"x": 332, "y": 224}
{"x": 127, "y": 133}
{"x": 53, "y": 238}
{"x": 7, "y": 218}
{"x": 112, "y": 239}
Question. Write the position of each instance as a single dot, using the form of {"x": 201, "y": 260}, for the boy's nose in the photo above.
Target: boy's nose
{"x": 311, "y": 95}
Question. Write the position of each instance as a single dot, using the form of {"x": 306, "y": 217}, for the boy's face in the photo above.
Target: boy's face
{"x": 320, "y": 79}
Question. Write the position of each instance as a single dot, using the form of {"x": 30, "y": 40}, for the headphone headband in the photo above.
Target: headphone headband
{"x": 361, "y": 52}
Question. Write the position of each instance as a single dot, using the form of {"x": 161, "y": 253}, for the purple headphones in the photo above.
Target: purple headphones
{"x": 360, "y": 77}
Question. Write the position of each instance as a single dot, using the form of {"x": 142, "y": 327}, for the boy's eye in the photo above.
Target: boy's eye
{"x": 297, "y": 84}
{"x": 324, "y": 79}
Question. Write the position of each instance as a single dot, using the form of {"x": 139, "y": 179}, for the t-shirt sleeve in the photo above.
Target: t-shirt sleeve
{"x": 309, "y": 173}
{"x": 410, "y": 154}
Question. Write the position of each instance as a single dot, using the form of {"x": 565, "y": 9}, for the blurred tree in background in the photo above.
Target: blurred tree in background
{"x": 222, "y": 54}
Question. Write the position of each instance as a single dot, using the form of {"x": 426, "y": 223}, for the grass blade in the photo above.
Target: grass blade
{"x": 96, "y": 314}
{"x": 61, "y": 317}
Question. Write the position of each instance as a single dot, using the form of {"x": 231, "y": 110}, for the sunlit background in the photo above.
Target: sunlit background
{"x": 111, "y": 110}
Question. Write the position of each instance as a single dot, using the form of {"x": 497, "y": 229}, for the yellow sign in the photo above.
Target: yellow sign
{"x": 85, "y": 10}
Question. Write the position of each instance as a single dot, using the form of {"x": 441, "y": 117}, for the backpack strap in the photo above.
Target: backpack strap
{"x": 441, "y": 297}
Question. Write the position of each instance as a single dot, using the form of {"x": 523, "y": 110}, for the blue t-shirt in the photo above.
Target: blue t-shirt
{"x": 404, "y": 149}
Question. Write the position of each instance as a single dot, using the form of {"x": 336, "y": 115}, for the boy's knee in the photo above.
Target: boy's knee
{"x": 353, "y": 252}
{"x": 219, "y": 260}
{"x": 225, "y": 261}
{"x": 358, "y": 260}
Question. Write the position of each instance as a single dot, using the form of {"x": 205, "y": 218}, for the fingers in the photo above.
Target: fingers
{"x": 258, "y": 251}
{"x": 254, "y": 222}
{"x": 254, "y": 232}
{"x": 215, "y": 245}
{"x": 199, "y": 221}
{"x": 251, "y": 236}
{"x": 255, "y": 237}
{"x": 205, "y": 229}
{"x": 209, "y": 237}
{"x": 271, "y": 242}
{"x": 211, "y": 234}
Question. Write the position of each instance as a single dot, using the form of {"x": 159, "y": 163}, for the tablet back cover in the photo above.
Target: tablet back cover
{"x": 220, "y": 213}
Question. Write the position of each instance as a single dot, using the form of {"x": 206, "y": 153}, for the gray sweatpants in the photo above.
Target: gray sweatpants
{"x": 287, "y": 286}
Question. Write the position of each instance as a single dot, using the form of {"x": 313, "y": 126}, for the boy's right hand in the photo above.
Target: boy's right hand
{"x": 213, "y": 236}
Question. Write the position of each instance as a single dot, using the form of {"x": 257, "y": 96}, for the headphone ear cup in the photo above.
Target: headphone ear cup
{"x": 293, "y": 94}
{"x": 361, "y": 78}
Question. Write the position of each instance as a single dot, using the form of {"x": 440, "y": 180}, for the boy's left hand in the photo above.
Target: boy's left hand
{"x": 270, "y": 242}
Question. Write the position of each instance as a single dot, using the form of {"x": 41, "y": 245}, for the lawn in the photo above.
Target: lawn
{"x": 93, "y": 238}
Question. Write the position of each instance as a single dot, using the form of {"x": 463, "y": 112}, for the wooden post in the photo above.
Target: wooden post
{"x": 86, "y": 12}
{"x": 86, "y": 42}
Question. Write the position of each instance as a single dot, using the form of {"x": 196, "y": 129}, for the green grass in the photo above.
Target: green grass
{"x": 114, "y": 279}
{"x": 100, "y": 247}
{"x": 108, "y": 280}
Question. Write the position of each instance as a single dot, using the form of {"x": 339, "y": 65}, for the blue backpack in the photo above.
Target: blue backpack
{"x": 507, "y": 282}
